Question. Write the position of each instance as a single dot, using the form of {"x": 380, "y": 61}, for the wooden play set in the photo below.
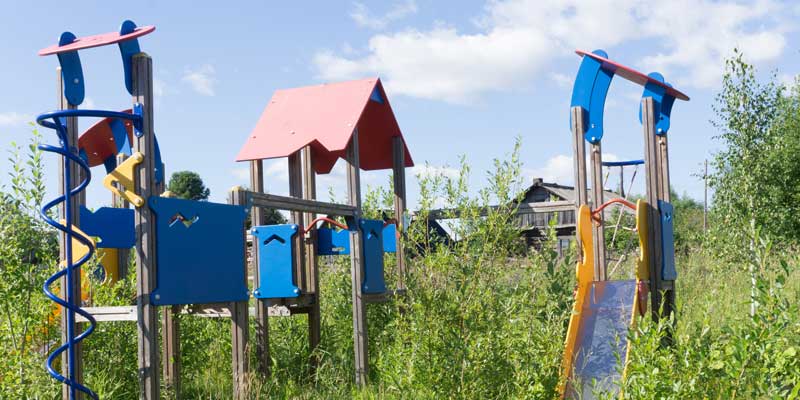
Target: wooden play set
{"x": 604, "y": 309}
{"x": 191, "y": 256}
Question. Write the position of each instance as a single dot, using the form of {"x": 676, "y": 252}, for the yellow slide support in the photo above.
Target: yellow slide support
{"x": 602, "y": 314}
{"x": 108, "y": 260}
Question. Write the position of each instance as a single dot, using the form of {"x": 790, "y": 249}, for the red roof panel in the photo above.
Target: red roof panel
{"x": 324, "y": 117}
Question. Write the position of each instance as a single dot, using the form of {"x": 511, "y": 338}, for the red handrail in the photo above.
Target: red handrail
{"x": 325, "y": 219}
{"x": 619, "y": 200}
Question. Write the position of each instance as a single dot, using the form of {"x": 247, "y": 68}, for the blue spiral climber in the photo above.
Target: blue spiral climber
{"x": 57, "y": 121}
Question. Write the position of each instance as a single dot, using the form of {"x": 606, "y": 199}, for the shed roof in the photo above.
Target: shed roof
{"x": 325, "y": 117}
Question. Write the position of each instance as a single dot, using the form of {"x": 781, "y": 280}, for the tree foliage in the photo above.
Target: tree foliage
{"x": 188, "y": 185}
{"x": 756, "y": 172}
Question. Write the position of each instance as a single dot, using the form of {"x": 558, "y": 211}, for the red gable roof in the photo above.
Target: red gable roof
{"x": 325, "y": 116}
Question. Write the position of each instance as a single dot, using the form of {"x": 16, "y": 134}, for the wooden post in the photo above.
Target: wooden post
{"x": 76, "y": 175}
{"x": 145, "y": 186}
{"x": 653, "y": 169}
{"x": 123, "y": 255}
{"x": 399, "y": 176}
{"x": 296, "y": 190}
{"x": 240, "y": 320}
{"x": 598, "y": 236}
{"x": 312, "y": 267}
{"x": 258, "y": 217}
{"x": 170, "y": 337}
{"x": 579, "y": 162}
{"x": 360, "y": 341}
{"x": 665, "y": 286}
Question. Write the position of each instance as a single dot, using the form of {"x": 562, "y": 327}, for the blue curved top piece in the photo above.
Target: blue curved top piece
{"x": 67, "y": 51}
{"x": 622, "y": 163}
{"x": 591, "y": 87}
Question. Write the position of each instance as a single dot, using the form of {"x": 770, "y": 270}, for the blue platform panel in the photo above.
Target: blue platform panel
{"x": 200, "y": 251}
{"x": 275, "y": 261}
{"x": 668, "y": 272}
{"x": 332, "y": 242}
{"x": 114, "y": 226}
{"x": 372, "y": 282}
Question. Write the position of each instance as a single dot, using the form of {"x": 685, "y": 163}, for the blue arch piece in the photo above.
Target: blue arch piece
{"x": 199, "y": 252}
{"x": 589, "y": 92}
{"x": 127, "y": 49}
{"x": 373, "y": 282}
{"x": 71, "y": 71}
{"x": 275, "y": 262}
{"x": 662, "y": 101}
{"x": 114, "y": 226}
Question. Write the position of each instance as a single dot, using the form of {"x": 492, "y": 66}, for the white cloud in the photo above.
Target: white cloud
{"x": 88, "y": 103}
{"x": 362, "y": 16}
{"x": 516, "y": 41}
{"x": 14, "y": 118}
{"x": 242, "y": 174}
{"x": 559, "y": 169}
{"x": 159, "y": 87}
{"x": 561, "y": 80}
{"x": 202, "y": 79}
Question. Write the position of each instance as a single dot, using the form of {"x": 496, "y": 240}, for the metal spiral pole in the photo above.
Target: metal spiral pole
{"x": 71, "y": 160}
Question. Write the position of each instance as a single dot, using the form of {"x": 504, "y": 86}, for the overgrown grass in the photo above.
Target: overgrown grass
{"x": 481, "y": 319}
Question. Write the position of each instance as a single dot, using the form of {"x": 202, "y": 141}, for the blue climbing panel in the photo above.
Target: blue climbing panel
{"x": 332, "y": 242}
{"x": 275, "y": 262}
{"x": 200, "y": 252}
{"x": 668, "y": 272}
{"x": 372, "y": 282}
{"x": 114, "y": 226}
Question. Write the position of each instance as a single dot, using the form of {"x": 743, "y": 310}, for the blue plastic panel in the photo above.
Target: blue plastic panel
{"x": 127, "y": 49}
{"x": 668, "y": 272}
{"x": 622, "y": 163}
{"x": 589, "y": 92}
{"x": 71, "y": 71}
{"x": 372, "y": 231}
{"x": 114, "y": 226}
{"x": 332, "y": 242}
{"x": 275, "y": 261}
{"x": 200, "y": 252}
{"x": 390, "y": 238}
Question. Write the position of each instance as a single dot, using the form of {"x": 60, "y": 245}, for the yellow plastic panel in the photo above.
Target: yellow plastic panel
{"x": 585, "y": 274}
{"x": 120, "y": 180}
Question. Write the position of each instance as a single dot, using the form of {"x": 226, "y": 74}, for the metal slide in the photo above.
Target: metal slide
{"x": 596, "y": 344}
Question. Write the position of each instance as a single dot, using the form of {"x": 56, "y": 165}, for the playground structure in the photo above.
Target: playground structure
{"x": 191, "y": 255}
{"x": 604, "y": 310}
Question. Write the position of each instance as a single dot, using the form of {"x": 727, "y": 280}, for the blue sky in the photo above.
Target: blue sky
{"x": 464, "y": 77}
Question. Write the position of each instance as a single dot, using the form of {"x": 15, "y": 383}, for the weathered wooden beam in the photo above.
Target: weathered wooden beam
{"x": 297, "y": 217}
{"x": 314, "y": 316}
{"x": 145, "y": 220}
{"x": 170, "y": 338}
{"x": 399, "y": 179}
{"x": 522, "y": 209}
{"x": 598, "y": 235}
{"x": 123, "y": 255}
{"x": 76, "y": 175}
{"x": 240, "y": 322}
{"x": 577, "y": 114}
{"x": 360, "y": 342}
{"x": 295, "y": 204}
{"x": 652, "y": 176}
{"x": 258, "y": 217}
